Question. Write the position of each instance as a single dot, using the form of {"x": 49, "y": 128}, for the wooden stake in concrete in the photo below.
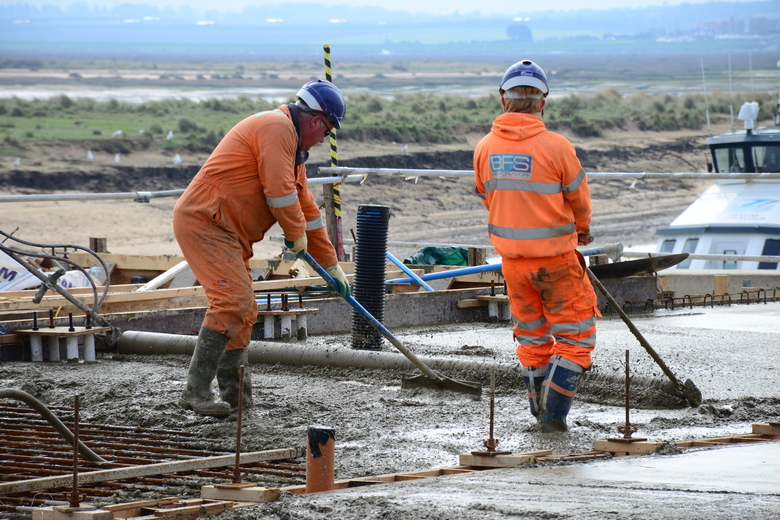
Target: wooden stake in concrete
{"x": 320, "y": 459}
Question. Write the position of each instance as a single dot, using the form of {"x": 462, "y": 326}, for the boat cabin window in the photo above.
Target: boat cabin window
{"x": 729, "y": 264}
{"x": 772, "y": 248}
{"x": 766, "y": 158}
{"x": 688, "y": 247}
{"x": 668, "y": 245}
{"x": 730, "y": 160}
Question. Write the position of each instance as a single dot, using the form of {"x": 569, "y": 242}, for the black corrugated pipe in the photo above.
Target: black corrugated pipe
{"x": 369, "y": 281}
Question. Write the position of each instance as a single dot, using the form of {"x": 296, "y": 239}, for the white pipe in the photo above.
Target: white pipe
{"x": 593, "y": 175}
{"x": 36, "y": 348}
{"x": 72, "y": 343}
{"x": 89, "y": 348}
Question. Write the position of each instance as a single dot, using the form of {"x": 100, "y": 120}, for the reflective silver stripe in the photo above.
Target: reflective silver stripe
{"x": 534, "y": 371}
{"x": 534, "y": 340}
{"x": 573, "y": 328}
{"x": 544, "y": 188}
{"x": 532, "y": 233}
{"x": 575, "y": 184}
{"x": 282, "y": 202}
{"x": 585, "y": 343}
{"x": 565, "y": 363}
{"x": 276, "y": 111}
{"x": 314, "y": 223}
{"x": 482, "y": 196}
{"x": 529, "y": 325}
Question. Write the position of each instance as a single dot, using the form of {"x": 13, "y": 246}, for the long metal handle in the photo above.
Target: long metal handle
{"x": 373, "y": 321}
{"x": 408, "y": 271}
{"x": 631, "y": 327}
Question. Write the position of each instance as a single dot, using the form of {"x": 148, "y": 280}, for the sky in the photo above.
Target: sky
{"x": 427, "y": 6}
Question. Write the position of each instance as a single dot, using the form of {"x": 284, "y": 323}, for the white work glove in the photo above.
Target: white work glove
{"x": 297, "y": 246}
{"x": 342, "y": 285}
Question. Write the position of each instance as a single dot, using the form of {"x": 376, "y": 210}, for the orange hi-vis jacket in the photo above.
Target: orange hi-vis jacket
{"x": 249, "y": 183}
{"x": 534, "y": 187}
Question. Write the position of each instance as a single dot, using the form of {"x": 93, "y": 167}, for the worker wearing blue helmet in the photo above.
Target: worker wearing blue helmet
{"x": 539, "y": 211}
{"x": 255, "y": 178}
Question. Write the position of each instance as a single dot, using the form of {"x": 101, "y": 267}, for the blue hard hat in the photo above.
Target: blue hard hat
{"x": 324, "y": 97}
{"x": 525, "y": 73}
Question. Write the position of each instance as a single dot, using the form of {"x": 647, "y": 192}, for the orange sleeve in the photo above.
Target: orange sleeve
{"x": 319, "y": 244}
{"x": 276, "y": 150}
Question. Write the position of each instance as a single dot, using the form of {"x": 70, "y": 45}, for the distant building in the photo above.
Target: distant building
{"x": 732, "y": 26}
{"x": 763, "y": 26}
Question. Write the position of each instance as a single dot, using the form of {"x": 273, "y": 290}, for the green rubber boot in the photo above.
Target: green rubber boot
{"x": 227, "y": 377}
{"x": 198, "y": 396}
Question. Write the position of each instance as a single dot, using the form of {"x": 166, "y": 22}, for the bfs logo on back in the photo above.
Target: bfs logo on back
{"x": 510, "y": 166}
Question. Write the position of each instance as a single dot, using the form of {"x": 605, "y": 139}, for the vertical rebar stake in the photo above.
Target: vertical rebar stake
{"x": 70, "y": 322}
{"x": 88, "y": 320}
{"x": 51, "y": 318}
{"x": 35, "y": 320}
{"x": 237, "y": 470}
{"x": 74, "y": 496}
{"x": 491, "y": 443}
{"x": 627, "y": 430}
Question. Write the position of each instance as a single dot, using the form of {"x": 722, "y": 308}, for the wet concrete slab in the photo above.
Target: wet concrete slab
{"x": 729, "y": 482}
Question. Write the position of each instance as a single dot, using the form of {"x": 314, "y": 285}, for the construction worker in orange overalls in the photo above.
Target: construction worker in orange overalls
{"x": 254, "y": 178}
{"x": 538, "y": 200}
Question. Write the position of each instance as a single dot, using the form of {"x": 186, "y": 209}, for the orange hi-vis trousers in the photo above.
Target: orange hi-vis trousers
{"x": 219, "y": 259}
{"x": 553, "y": 308}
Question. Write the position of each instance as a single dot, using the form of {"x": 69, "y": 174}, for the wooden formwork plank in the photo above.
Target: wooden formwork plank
{"x": 500, "y": 461}
{"x": 247, "y": 494}
{"x": 767, "y": 429}
{"x": 631, "y": 448}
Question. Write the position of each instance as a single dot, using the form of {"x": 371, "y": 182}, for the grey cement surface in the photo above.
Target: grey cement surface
{"x": 730, "y": 353}
{"x": 731, "y": 482}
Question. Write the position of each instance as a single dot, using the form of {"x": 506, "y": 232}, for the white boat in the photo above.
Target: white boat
{"x": 735, "y": 217}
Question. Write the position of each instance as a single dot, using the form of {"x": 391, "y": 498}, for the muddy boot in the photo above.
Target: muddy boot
{"x": 227, "y": 377}
{"x": 558, "y": 389}
{"x": 198, "y": 396}
{"x": 533, "y": 377}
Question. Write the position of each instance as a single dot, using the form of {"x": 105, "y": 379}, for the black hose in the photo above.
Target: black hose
{"x": 53, "y": 420}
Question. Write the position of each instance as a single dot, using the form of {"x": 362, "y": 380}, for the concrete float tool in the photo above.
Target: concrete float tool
{"x": 688, "y": 389}
{"x": 429, "y": 377}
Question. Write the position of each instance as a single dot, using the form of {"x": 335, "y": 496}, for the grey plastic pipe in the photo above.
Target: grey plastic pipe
{"x": 52, "y": 419}
{"x": 137, "y": 342}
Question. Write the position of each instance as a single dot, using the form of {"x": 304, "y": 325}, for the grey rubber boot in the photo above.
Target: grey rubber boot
{"x": 227, "y": 377}
{"x": 198, "y": 396}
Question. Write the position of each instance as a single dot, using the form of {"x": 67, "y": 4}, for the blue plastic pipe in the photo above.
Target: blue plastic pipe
{"x": 452, "y": 273}
{"x": 408, "y": 271}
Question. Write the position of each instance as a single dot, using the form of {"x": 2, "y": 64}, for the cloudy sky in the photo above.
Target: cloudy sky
{"x": 428, "y": 6}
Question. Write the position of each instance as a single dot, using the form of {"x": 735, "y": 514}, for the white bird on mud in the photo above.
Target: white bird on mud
{"x": 116, "y": 158}
{"x": 117, "y": 133}
{"x": 176, "y": 159}
{"x": 18, "y": 161}
{"x": 89, "y": 155}
{"x": 170, "y": 135}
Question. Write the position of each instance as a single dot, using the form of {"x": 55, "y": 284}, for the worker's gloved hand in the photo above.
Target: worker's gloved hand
{"x": 342, "y": 285}
{"x": 297, "y": 246}
{"x": 583, "y": 239}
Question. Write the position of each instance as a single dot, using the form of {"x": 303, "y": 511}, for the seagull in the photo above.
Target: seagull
{"x": 18, "y": 161}
{"x": 116, "y": 158}
{"x": 170, "y": 135}
{"x": 405, "y": 148}
{"x": 89, "y": 155}
{"x": 117, "y": 133}
{"x": 176, "y": 159}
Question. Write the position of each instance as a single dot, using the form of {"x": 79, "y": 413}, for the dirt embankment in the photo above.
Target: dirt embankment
{"x": 427, "y": 209}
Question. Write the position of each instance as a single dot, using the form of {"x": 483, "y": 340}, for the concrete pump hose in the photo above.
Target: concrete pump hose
{"x": 509, "y": 374}
{"x": 53, "y": 421}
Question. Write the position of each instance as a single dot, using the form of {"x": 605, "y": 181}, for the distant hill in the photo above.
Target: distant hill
{"x": 291, "y": 30}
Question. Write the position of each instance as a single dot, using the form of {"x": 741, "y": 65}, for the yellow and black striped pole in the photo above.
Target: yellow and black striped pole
{"x": 338, "y": 239}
